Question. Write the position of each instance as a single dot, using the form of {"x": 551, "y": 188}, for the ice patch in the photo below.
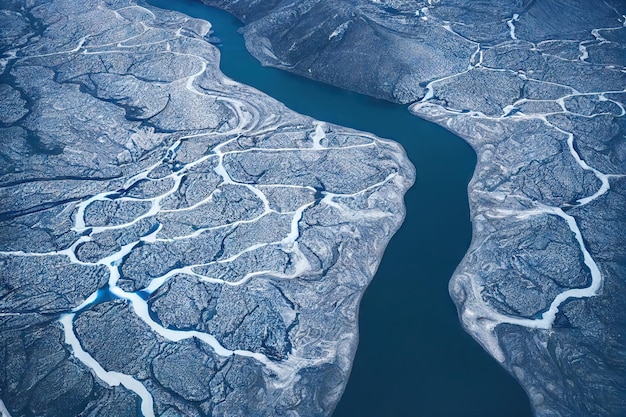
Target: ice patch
{"x": 341, "y": 29}
{"x": 318, "y": 136}
{"x": 511, "y": 25}
{"x": 3, "y": 410}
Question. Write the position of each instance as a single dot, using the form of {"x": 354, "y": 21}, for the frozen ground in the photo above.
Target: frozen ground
{"x": 538, "y": 89}
{"x": 172, "y": 242}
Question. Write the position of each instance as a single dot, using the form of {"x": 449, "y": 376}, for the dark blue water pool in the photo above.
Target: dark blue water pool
{"x": 413, "y": 357}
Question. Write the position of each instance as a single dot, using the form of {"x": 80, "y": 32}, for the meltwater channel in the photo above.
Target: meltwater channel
{"x": 413, "y": 358}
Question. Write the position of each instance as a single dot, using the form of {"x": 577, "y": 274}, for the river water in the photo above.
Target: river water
{"x": 413, "y": 359}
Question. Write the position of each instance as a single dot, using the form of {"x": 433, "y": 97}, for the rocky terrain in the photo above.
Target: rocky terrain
{"x": 538, "y": 89}
{"x": 172, "y": 242}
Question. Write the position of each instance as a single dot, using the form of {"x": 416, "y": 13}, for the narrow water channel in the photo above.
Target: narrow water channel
{"x": 413, "y": 359}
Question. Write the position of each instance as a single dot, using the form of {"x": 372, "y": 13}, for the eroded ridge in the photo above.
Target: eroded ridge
{"x": 537, "y": 88}
{"x": 175, "y": 242}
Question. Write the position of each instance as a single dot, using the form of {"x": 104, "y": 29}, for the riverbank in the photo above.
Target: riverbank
{"x": 407, "y": 307}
